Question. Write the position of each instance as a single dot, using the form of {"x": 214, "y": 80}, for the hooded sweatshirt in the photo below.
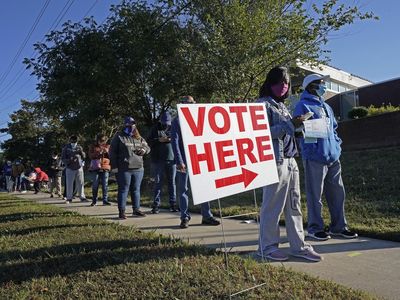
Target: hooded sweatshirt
{"x": 41, "y": 176}
{"x": 325, "y": 150}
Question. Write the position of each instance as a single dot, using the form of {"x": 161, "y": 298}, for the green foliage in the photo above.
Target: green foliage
{"x": 361, "y": 111}
{"x": 239, "y": 41}
{"x": 92, "y": 76}
{"x": 358, "y": 112}
{"x": 34, "y": 136}
{"x": 49, "y": 253}
{"x": 373, "y": 111}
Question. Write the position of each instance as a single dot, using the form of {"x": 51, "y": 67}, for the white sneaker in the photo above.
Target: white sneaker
{"x": 309, "y": 254}
{"x": 276, "y": 255}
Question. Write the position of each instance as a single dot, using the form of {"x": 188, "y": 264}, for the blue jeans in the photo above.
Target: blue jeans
{"x": 182, "y": 186}
{"x": 324, "y": 179}
{"x": 103, "y": 176}
{"x": 129, "y": 181}
{"x": 161, "y": 167}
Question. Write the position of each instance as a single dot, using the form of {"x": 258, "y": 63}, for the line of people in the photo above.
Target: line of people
{"x": 126, "y": 155}
{"x": 19, "y": 176}
{"x": 321, "y": 161}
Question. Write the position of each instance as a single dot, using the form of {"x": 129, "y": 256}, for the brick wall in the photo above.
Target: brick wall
{"x": 371, "y": 132}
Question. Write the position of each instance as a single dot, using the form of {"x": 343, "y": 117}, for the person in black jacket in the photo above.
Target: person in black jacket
{"x": 163, "y": 162}
{"x": 54, "y": 171}
{"x": 126, "y": 154}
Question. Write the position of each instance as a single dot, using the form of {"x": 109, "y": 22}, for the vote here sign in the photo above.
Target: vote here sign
{"x": 228, "y": 149}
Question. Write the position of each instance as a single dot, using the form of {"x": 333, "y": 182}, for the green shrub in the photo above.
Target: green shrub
{"x": 358, "y": 112}
{"x": 373, "y": 111}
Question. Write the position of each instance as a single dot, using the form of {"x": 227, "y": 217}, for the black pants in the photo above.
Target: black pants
{"x": 36, "y": 186}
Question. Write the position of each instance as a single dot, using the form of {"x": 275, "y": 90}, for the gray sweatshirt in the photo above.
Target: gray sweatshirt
{"x": 123, "y": 152}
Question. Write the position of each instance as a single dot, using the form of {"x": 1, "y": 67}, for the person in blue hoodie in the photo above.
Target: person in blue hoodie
{"x": 321, "y": 160}
{"x": 283, "y": 196}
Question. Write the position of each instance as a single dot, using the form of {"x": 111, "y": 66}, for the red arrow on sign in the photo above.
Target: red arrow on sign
{"x": 246, "y": 177}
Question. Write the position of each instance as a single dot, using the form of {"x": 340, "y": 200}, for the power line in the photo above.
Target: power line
{"x": 21, "y": 48}
{"x": 54, "y": 25}
{"x": 90, "y": 9}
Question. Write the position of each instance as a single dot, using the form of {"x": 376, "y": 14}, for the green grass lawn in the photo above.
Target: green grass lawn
{"x": 372, "y": 182}
{"x": 49, "y": 253}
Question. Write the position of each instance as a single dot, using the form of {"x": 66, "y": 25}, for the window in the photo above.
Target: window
{"x": 328, "y": 85}
{"x": 334, "y": 87}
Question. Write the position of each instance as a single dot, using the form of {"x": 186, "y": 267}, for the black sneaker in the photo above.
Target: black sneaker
{"x": 347, "y": 234}
{"x": 210, "y": 221}
{"x": 138, "y": 213}
{"x": 173, "y": 208}
{"x": 319, "y": 236}
{"x": 155, "y": 210}
{"x": 106, "y": 203}
{"x": 184, "y": 223}
{"x": 122, "y": 215}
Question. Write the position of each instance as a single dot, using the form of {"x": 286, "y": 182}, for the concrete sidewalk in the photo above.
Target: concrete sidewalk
{"x": 366, "y": 264}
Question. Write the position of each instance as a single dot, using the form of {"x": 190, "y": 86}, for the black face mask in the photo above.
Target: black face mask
{"x": 164, "y": 126}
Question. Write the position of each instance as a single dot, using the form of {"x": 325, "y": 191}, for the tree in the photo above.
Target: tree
{"x": 33, "y": 136}
{"x": 239, "y": 41}
{"x": 92, "y": 76}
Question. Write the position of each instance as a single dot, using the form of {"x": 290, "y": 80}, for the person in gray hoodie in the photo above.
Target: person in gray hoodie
{"x": 126, "y": 155}
{"x": 73, "y": 158}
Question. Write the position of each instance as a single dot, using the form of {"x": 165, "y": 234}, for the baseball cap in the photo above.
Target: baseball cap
{"x": 312, "y": 77}
{"x": 186, "y": 99}
{"x": 129, "y": 121}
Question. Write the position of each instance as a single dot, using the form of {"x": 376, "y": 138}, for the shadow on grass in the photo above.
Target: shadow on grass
{"x": 14, "y": 203}
{"x": 91, "y": 256}
{"x": 45, "y": 228}
{"x": 32, "y": 215}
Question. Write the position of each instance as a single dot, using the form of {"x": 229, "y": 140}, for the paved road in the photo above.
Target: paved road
{"x": 366, "y": 264}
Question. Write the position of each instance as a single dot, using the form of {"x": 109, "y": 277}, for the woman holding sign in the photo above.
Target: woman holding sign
{"x": 321, "y": 152}
{"x": 283, "y": 196}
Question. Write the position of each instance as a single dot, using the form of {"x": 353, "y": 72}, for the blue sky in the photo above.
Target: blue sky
{"x": 369, "y": 49}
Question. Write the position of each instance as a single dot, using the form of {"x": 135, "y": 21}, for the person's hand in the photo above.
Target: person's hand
{"x": 164, "y": 139}
{"x": 140, "y": 152}
{"x": 181, "y": 167}
{"x": 298, "y": 121}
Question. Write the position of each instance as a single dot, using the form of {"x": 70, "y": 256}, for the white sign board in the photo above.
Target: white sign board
{"x": 228, "y": 149}
{"x": 316, "y": 128}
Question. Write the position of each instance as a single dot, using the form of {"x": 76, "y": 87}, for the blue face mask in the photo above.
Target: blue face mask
{"x": 128, "y": 130}
{"x": 321, "y": 90}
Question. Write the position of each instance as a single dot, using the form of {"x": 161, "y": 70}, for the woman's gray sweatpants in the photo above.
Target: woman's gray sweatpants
{"x": 277, "y": 198}
{"x": 70, "y": 177}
